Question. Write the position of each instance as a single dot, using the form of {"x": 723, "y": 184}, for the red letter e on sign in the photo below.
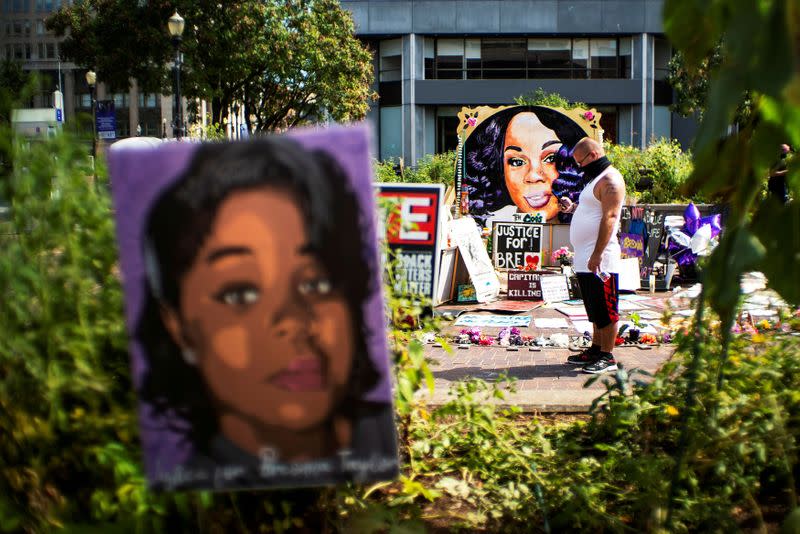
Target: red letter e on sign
{"x": 417, "y": 216}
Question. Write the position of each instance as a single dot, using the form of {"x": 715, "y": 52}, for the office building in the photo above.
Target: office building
{"x": 433, "y": 57}
{"x": 24, "y": 38}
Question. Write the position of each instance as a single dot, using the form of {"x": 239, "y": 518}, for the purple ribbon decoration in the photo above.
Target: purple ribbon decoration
{"x": 692, "y": 223}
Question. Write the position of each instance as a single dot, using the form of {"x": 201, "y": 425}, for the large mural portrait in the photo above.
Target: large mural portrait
{"x": 252, "y": 287}
{"x": 518, "y": 159}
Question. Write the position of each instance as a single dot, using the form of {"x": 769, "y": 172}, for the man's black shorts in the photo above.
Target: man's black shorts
{"x": 600, "y": 298}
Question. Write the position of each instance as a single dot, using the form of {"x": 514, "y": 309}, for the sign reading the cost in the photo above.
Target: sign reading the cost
{"x": 411, "y": 221}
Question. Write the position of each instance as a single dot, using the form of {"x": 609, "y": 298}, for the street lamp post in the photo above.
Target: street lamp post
{"x": 91, "y": 81}
{"x": 175, "y": 25}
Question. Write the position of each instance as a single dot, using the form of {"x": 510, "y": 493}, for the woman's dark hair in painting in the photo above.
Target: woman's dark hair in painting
{"x": 181, "y": 220}
{"x": 484, "y": 178}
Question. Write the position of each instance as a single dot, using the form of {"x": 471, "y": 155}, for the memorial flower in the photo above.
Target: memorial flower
{"x": 562, "y": 256}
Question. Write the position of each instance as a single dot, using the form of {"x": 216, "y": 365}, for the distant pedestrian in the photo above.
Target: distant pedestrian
{"x": 777, "y": 177}
{"x": 593, "y": 235}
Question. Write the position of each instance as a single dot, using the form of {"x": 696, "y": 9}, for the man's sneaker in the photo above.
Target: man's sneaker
{"x": 602, "y": 365}
{"x": 583, "y": 358}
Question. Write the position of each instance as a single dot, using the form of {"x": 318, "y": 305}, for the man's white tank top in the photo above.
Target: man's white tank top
{"x": 585, "y": 227}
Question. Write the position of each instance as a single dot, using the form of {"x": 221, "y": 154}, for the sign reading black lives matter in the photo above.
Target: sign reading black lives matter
{"x": 517, "y": 245}
{"x": 412, "y": 231}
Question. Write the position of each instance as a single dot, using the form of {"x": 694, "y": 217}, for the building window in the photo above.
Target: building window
{"x": 625, "y": 57}
{"x": 391, "y": 126}
{"x": 580, "y": 58}
{"x": 47, "y": 6}
{"x": 608, "y": 122}
{"x": 472, "y": 56}
{"x": 446, "y": 126}
{"x": 391, "y": 60}
{"x": 120, "y": 100}
{"x": 51, "y": 50}
{"x": 430, "y": 58}
{"x": 148, "y": 100}
{"x": 503, "y": 58}
{"x": 17, "y": 6}
{"x": 662, "y": 122}
{"x": 40, "y": 29}
{"x": 549, "y": 58}
{"x": 603, "y": 58}
{"x": 522, "y": 58}
{"x": 661, "y": 56}
{"x": 450, "y": 59}
{"x": 85, "y": 100}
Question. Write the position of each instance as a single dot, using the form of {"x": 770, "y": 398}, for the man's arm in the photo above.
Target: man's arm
{"x": 611, "y": 192}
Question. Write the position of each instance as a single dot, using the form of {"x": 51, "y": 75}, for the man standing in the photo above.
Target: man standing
{"x": 593, "y": 235}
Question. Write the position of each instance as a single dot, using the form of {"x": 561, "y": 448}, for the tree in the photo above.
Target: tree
{"x": 691, "y": 85}
{"x": 289, "y": 62}
{"x": 16, "y": 86}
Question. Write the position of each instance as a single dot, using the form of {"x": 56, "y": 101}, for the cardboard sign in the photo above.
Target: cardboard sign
{"x": 524, "y": 285}
{"x": 554, "y": 288}
{"x": 517, "y": 245}
{"x": 631, "y": 245}
{"x": 412, "y": 228}
{"x": 284, "y": 304}
{"x": 465, "y": 233}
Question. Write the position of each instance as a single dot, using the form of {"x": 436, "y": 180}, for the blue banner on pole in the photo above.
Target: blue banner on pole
{"x": 105, "y": 120}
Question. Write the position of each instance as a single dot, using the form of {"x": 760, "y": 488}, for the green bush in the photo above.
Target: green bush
{"x": 430, "y": 169}
{"x": 70, "y": 455}
{"x": 663, "y": 163}
{"x": 540, "y": 97}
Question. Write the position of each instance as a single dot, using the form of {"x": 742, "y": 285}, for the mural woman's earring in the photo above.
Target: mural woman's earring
{"x": 189, "y": 356}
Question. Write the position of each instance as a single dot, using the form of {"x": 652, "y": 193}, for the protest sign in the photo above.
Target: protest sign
{"x": 412, "y": 232}
{"x": 631, "y": 245}
{"x": 467, "y": 237}
{"x": 255, "y": 285}
{"x": 524, "y": 285}
{"x": 517, "y": 245}
{"x": 554, "y": 287}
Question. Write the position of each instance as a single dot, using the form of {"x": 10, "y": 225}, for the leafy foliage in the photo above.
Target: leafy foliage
{"x": 289, "y": 62}
{"x": 431, "y": 169}
{"x": 655, "y": 175}
{"x": 540, "y": 97}
{"x": 690, "y": 86}
{"x": 758, "y": 57}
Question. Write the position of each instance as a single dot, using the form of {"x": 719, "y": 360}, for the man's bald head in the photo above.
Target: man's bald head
{"x": 586, "y": 151}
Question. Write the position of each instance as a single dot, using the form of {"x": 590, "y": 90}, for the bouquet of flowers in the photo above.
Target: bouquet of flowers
{"x": 562, "y": 256}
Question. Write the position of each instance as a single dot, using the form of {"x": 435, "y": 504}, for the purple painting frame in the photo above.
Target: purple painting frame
{"x": 141, "y": 172}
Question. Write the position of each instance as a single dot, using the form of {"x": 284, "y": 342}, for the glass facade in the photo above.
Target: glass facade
{"x": 391, "y": 126}
{"x": 507, "y": 58}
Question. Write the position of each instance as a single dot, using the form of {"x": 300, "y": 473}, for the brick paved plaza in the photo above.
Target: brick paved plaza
{"x": 544, "y": 382}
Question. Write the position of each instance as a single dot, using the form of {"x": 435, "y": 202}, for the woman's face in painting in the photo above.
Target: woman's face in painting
{"x": 529, "y": 164}
{"x": 270, "y": 334}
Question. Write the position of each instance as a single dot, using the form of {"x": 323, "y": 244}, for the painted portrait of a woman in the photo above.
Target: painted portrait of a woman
{"x": 256, "y": 351}
{"x": 519, "y": 160}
